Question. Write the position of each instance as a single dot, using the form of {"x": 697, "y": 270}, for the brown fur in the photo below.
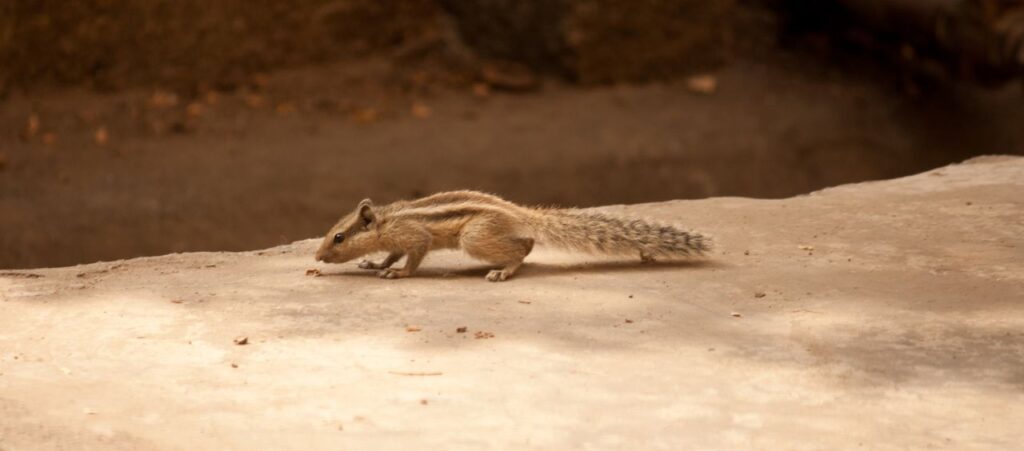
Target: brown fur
{"x": 494, "y": 230}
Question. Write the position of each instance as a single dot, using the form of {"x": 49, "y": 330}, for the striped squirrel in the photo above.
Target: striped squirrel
{"x": 494, "y": 230}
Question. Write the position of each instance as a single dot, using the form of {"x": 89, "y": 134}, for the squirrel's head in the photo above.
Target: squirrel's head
{"x": 353, "y": 236}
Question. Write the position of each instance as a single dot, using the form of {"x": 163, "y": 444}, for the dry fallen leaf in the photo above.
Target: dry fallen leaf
{"x": 366, "y": 115}
{"x": 421, "y": 111}
{"x": 163, "y": 99}
{"x": 260, "y": 80}
{"x": 101, "y": 137}
{"x": 285, "y": 108}
{"x": 87, "y": 116}
{"x": 702, "y": 84}
{"x": 806, "y": 247}
{"x": 194, "y": 110}
{"x": 759, "y": 294}
{"x": 509, "y": 76}
{"x": 32, "y": 126}
{"x": 211, "y": 98}
{"x": 413, "y": 329}
{"x": 420, "y": 78}
{"x": 483, "y": 335}
{"x": 242, "y": 340}
{"x": 460, "y": 330}
{"x": 481, "y": 89}
{"x": 255, "y": 101}
{"x": 736, "y": 314}
{"x": 313, "y": 272}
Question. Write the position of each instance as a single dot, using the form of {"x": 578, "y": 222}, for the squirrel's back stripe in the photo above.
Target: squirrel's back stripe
{"x": 455, "y": 210}
{"x": 572, "y": 229}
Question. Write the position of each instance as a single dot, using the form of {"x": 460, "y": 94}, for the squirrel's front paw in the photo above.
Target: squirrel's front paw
{"x": 366, "y": 264}
{"x": 392, "y": 274}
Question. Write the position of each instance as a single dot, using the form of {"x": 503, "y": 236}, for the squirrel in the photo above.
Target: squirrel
{"x": 494, "y": 230}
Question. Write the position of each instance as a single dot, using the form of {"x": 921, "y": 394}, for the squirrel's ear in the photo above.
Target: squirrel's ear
{"x": 366, "y": 212}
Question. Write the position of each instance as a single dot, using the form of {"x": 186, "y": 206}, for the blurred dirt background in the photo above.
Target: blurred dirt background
{"x": 141, "y": 128}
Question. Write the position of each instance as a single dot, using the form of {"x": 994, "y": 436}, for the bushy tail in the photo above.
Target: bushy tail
{"x": 601, "y": 233}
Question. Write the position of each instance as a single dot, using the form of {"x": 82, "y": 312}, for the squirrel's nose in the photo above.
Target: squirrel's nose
{"x": 319, "y": 256}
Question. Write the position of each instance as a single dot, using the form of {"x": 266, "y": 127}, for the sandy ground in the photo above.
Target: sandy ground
{"x": 884, "y": 315}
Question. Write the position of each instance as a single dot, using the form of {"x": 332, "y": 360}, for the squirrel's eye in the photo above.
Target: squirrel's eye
{"x": 339, "y": 238}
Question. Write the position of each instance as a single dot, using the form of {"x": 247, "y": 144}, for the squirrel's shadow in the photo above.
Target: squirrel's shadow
{"x": 534, "y": 269}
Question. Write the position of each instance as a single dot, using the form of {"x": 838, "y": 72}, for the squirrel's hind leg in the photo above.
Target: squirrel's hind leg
{"x": 490, "y": 241}
{"x": 518, "y": 249}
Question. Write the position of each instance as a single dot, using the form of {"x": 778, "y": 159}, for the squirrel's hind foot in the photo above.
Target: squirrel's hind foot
{"x": 499, "y": 275}
{"x": 393, "y": 274}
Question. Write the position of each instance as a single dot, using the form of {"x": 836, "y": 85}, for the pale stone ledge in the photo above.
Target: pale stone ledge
{"x": 888, "y": 314}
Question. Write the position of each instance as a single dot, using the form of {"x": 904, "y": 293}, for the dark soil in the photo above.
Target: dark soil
{"x": 278, "y": 156}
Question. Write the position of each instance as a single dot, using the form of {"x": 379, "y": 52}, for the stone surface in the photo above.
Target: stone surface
{"x": 891, "y": 318}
